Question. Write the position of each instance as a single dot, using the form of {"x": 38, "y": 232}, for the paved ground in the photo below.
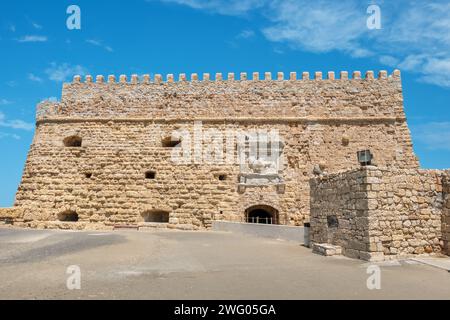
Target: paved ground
{"x": 194, "y": 265}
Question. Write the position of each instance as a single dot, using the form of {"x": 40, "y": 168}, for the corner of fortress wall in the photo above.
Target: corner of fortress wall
{"x": 382, "y": 213}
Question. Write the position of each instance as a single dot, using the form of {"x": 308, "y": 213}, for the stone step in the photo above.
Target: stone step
{"x": 326, "y": 249}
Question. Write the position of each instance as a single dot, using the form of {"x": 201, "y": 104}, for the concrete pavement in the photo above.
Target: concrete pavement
{"x": 168, "y": 264}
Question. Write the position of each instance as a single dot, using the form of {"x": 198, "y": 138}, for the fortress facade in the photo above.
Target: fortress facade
{"x": 103, "y": 156}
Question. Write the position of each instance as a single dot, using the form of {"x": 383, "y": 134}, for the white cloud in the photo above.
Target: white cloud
{"x": 15, "y": 123}
{"x": 99, "y": 43}
{"x": 34, "y": 78}
{"x": 9, "y": 135}
{"x": 412, "y": 62}
{"x": 227, "y": 7}
{"x": 33, "y": 38}
{"x": 11, "y": 83}
{"x": 62, "y": 72}
{"x": 278, "y": 51}
{"x": 318, "y": 26}
{"x": 415, "y": 35}
{"x": 4, "y": 102}
{"x": 51, "y": 99}
{"x": 94, "y": 42}
{"x": 434, "y": 135}
{"x": 245, "y": 34}
{"x": 36, "y": 25}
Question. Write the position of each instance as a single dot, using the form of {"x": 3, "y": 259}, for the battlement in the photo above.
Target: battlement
{"x": 243, "y": 76}
{"x": 297, "y": 96}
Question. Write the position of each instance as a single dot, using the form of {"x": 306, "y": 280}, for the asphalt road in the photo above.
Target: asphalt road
{"x": 195, "y": 265}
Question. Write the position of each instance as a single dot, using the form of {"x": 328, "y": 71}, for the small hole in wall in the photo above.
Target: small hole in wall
{"x": 332, "y": 221}
{"x": 88, "y": 175}
{"x": 73, "y": 142}
{"x": 68, "y": 216}
{"x": 222, "y": 177}
{"x": 150, "y": 175}
{"x": 169, "y": 142}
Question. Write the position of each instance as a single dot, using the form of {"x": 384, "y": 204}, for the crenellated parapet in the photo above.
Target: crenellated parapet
{"x": 232, "y": 96}
{"x": 243, "y": 76}
{"x": 47, "y": 109}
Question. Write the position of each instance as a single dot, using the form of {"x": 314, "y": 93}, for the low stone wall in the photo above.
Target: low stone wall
{"x": 288, "y": 233}
{"x": 339, "y": 212}
{"x": 60, "y": 225}
{"x": 446, "y": 213}
{"x": 406, "y": 211}
{"x": 379, "y": 213}
{"x": 7, "y": 215}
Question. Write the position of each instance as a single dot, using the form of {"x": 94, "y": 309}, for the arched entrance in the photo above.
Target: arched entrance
{"x": 261, "y": 214}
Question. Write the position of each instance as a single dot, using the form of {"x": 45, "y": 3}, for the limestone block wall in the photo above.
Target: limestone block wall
{"x": 407, "y": 211}
{"x": 340, "y": 213}
{"x": 256, "y": 98}
{"x": 7, "y": 214}
{"x": 381, "y": 212}
{"x": 116, "y": 157}
{"x": 446, "y": 213}
{"x": 121, "y": 125}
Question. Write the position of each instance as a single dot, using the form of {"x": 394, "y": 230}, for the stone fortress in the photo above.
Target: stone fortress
{"x": 102, "y": 158}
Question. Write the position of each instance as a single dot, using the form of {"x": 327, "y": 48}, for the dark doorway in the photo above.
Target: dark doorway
{"x": 68, "y": 216}
{"x": 156, "y": 216}
{"x": 261, "y": 214}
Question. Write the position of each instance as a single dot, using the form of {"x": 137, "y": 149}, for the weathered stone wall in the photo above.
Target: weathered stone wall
{"x": 122, "y": 125}
{"x": 406, "y": 211}
{"x": 446, "y": 213}
{"x": 381, "y": 212}
{"x": 339, "y": 212}
{"x": 252, "y": 99}
{"x": 9, "y": 214}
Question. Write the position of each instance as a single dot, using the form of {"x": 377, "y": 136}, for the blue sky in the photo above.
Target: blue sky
{"x": 38, "y": 53}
